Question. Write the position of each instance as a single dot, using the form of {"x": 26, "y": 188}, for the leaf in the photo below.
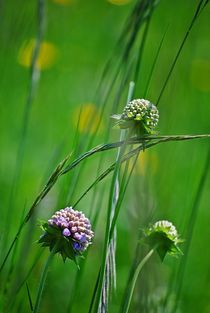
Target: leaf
{"x": 116, "y": 116}
{"x": 162, "y": 251}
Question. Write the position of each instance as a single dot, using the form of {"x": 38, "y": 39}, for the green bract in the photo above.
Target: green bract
{"x": 164, "y": 237}
{"x": 54, "y": 239}
{"x": 140, "y": 115}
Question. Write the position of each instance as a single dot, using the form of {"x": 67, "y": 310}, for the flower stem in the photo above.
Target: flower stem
{"x": 134, "y": 279}
{"x": 43, "y": 280}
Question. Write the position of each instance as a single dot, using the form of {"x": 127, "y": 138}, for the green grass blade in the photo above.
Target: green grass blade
{"x": 29, "y": 298}
{"x": 196, "y": 15}
{"x": 26, "y": 115}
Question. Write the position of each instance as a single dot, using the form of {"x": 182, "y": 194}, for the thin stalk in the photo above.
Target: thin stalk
{"x": 11, "y": 303}
{"x": 196, "y": 15}
{"x": 94, "y": 292}
{"x": 8, "y": 279}
{"x": 134, "y": 279}
{"x": 43, "y": 280}
{"x": 153, "y": 65}
{"x": 110, "y": 258}
{"x": 108, "y": 221}
{"x": 26, "y": 114}
{"x": 29, "y": 297}
{"x": 131, "y": 274}
{"x": 117, "y": 210}
{"x": 143, "y": 41}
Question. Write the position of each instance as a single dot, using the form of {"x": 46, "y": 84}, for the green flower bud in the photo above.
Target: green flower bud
{"x": 163, "y": 235}
{"x": 139, "y": 114}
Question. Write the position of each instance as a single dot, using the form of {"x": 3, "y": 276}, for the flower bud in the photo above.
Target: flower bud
{"x": 163, "y": 236}
{"x": 139, "y": 114}
{"x": 68, "y": 230}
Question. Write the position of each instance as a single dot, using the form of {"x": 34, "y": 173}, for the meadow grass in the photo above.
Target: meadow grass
{"x": 99, "y": 286}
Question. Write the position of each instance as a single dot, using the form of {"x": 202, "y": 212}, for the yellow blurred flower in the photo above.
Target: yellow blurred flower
{"x": 146, "y": 161}
{"x": 200, "y": 74}
{"x": 46, "y": 58}
{"x": 64, "y": 2}
{"x": 88, "y": 117}
{"x": 119, "y": 2}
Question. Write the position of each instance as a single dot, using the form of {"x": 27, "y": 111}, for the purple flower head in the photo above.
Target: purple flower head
{"x": 70, "y": 230}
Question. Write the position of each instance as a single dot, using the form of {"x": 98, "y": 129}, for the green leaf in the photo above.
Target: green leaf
{"x": 116, "y": 117}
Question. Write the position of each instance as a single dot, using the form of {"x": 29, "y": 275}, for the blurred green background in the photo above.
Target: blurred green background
{"x": 78, "y": 39}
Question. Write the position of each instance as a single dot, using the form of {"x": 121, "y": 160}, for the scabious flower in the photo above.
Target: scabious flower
{"x": 68, "y": 232}
{"x": 163, "y": 235}
{"x": 139, "y": 114}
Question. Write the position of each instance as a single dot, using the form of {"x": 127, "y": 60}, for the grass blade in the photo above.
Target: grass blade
{"x": 196, "y": 15}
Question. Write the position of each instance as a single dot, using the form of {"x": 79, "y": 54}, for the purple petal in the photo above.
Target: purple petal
{"x": 74, "y": 229}
{"x": 66, "y": 232}
{"x": 77, "y": 246}
{"x": 77, "y": 236}
{"x": 61, "y": 221}
{"x": 83, "y": 238}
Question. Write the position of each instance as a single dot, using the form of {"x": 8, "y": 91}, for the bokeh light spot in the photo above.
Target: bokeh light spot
{"x": 88, "y": 118}
{"x": 147, "y": 161}
{"x": 200, "y": 74}
{"x": 119, "y": 2}
{"x": 46, "y": 58}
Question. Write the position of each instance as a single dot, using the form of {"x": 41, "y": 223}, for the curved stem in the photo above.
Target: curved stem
{"x": 135, "y": 276}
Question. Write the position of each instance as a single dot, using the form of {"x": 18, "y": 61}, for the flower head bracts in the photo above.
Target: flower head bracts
{"x": 163, "y": 235}
{"x": 68, "y": 230}
{"x": 139, "y": 114}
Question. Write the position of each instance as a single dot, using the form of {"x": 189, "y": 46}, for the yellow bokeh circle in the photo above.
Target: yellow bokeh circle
{"x": 88, "y": 118}
{"x": 46, "y": 58}
{"x": 146, "y": 161}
